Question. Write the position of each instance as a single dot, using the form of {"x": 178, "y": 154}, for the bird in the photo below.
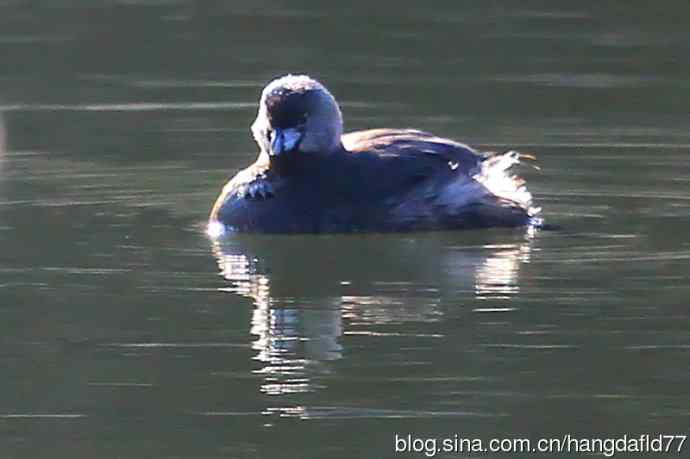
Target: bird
{"x": 309, "y": 177}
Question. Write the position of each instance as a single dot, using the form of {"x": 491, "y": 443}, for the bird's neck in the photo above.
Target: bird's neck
{"x": 300, "y": 163}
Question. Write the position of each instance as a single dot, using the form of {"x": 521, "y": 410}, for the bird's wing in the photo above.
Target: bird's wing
{"x": 409, "y": 144}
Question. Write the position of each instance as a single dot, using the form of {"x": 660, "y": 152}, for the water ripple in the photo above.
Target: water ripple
{"x": 128, "y": 107}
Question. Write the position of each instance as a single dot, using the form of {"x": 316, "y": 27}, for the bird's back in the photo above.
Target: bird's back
{"x": 382, "y": 180}
{"x": 452, "y": 187}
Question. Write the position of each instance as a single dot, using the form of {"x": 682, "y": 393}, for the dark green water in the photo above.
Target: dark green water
{"x": 125, "y": 333}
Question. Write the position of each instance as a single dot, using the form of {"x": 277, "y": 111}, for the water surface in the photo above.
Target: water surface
{"x": 127, "y": 333}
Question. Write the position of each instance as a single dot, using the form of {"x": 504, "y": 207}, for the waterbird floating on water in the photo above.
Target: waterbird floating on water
{"x": 311, "y": 178}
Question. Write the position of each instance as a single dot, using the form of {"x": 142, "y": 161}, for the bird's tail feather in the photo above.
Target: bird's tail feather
{"x": 496, "y": 176}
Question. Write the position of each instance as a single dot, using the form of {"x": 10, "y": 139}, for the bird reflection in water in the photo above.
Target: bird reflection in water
{"x": 497, "y": 276}
{"x": 293, "y": 340}
{"x": 309, "y": 291}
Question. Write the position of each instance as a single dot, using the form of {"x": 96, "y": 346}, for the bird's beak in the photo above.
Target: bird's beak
{"x": 284, "y": 140}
